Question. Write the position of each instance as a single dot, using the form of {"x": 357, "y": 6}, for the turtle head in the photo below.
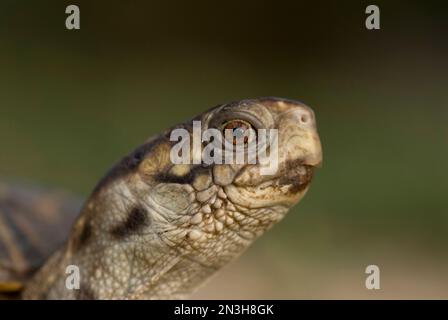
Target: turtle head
{"x": 198, "y": 194}
{"x": 287, "y": 156}
{"x": 232, "y": 171}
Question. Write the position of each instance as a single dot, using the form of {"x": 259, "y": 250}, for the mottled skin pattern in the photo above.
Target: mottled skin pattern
{"x": 154, "y": 230}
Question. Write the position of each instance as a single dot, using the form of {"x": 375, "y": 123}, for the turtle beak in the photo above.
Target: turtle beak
{"x": 314, "y": 154}
{"x": 301, "y": 140}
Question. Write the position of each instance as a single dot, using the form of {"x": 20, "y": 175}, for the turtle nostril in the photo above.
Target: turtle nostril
{"x": 304, "y": 119}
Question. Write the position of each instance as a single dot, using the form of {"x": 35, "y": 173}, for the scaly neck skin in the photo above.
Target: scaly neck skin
{"x": 118, "y": 255}
{"x": 127, "y": 248}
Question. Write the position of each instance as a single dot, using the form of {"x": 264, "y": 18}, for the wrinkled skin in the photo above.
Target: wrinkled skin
{"x": 154, "y": 230}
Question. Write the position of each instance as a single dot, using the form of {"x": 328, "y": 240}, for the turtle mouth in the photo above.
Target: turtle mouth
{"x": 289, "y": 180}
{"x": 286, "y": 188}
{"x": 297, "y": 177}
{"x": 292, "y": 179}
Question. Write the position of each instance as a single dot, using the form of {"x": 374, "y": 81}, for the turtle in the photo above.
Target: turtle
{"x": 155, "y": 227}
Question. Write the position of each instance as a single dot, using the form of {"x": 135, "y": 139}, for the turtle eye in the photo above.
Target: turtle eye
{"x": 237, "y": 130}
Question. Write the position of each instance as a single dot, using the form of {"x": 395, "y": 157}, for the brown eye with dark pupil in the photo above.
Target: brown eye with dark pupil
{"x": 238, "y": 128}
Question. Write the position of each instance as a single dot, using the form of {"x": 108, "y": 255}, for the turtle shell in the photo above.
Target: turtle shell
{"x": 34, "y": 223}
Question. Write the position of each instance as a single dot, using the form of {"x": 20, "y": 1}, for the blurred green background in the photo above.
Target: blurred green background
{"x": 74, "y": 102}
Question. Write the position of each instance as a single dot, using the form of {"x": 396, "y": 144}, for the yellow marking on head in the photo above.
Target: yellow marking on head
{"x": 180, "y": 170}
{"x": 11, "y": 286}
{"x": 157, "y": 161}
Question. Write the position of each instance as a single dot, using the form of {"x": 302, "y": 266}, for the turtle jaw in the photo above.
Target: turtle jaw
{"x": 286, "y": 188}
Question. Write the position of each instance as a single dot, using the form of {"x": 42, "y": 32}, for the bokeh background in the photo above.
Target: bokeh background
{"x": 74, "y": 102}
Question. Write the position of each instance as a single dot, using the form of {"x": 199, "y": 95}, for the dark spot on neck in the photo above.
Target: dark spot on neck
{"x": 136, "y": 220}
